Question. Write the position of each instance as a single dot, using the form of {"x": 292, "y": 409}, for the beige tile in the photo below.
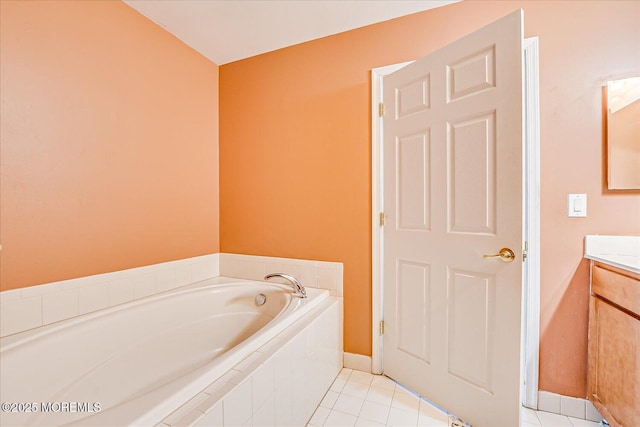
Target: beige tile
{"x": 144, "y": 285}
{"x": 345, "y": 373}
{"x": 363, "y": 422}
{"x": 572, "y": 407}
{"x": 319, "y": 416}
{"x": 340, "y": 419}
{"x": 236, "y": 407}
{"x": 374, "y": 412}
{"x": 380, "y": 381}
{"x": 264, "y": 416}
{"x": 427, "y": 421}
{"x": 263, "y": 384}
{"x": 529, "y": 416}
{"x": 229, "y": 377}
{"x": 548, "y": 419}
{"x": 338, "y": 384}
{"x": 329, "y": 399}
{"x": 120, "y": 291}
{"x": 250, "y": 362}
{"x": 179, "y": 414}
{"x": 20, "y": 315}
{"x": 361, "y": 377}
{"x": 592, "y": 413}
{"x": 429, "y": 415}
{"x": 59, "y": 305}
{"x": 189, "y": 419}
{"x": 308, "y": 274}
{"x": 213, "y": 418}
{"x": 165, "y": 279}
{"x": 549, "y": 402}
{"x": 93, "y": 297}
{"x": 327, "y": 279}
{"x": 348, "y": 404}
{"x": 576, "y": 422}
{"x": 355, "y": 389}
{"x": 40, "y": 290}
{"x": 10, "y": 295}
{"x": 380, "y": 395}
{"x": 405, "y": 400}
{"x": 183, "y": 274}
{"x": 400, "y": 417}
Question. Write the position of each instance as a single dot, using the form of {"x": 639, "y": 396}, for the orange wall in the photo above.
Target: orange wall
{"x": 109, "y": 142}
{"x": 295, "y": 136}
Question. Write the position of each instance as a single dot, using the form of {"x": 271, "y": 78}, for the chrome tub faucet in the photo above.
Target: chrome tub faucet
{"x": 298, "y": 290}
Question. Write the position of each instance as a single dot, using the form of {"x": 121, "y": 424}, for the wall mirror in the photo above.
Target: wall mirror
{"x": 623, "y": 134}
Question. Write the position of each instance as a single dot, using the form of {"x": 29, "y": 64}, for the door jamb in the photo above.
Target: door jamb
{"x": 531, "y": 280}
{"x": 377, "y": 203}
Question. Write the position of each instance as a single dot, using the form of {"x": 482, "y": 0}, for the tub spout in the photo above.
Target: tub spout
{"x": 298, "y": 290}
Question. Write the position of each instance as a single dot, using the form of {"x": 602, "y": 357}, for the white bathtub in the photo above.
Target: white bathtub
{"x": 134, "y": 364}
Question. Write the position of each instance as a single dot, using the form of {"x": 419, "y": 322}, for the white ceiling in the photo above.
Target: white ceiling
{"x": 228, "y": 30}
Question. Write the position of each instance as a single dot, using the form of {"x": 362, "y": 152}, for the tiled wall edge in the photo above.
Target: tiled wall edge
{"x": 35, "y": 306}
{"x": 315, "y": 274}
{"x": 568, "y": 406}
{"x": 358, "y": 362}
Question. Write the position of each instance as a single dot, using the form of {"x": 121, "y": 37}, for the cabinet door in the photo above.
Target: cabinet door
{"x": 614, "y": 363}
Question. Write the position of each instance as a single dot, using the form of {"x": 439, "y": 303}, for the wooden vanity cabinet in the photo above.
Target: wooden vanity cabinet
{"x": 614, "y": 344}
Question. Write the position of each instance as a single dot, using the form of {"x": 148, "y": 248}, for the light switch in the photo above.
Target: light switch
{"x": 577, "y": 205}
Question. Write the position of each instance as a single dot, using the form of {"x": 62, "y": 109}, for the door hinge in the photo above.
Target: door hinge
{"x": 381, "y": 219}
{"x": 382, "y": 327}
{"x": 524, "y": 251}
{"x": 380, "y": 109}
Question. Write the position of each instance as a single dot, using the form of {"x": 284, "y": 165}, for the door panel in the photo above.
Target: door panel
{"x": 453, "y": 192}
{"x": 472, "y": 74}
{"x": 471, "y": 304}
{"x": 413, "y": 176}
{"x": 413, "y": 310}
{"x": 413, "y": 96}
{"x": 471, "y": 150}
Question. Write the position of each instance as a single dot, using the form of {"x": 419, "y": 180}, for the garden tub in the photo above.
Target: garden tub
{"x": 135, "y": 363}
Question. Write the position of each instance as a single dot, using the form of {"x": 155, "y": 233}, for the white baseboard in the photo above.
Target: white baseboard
{"x": 568, "y": 406}
{"x": 358, "y": 362}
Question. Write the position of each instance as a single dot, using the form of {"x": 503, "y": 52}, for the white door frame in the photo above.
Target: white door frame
{"x": 531, "y": 271}
{"x": 531, "y": 208}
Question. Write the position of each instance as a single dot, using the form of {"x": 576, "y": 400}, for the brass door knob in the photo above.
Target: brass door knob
{"x": 505, "y": 255}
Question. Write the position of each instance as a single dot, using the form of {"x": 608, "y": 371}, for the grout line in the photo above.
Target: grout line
{"x": 346, "y": 374}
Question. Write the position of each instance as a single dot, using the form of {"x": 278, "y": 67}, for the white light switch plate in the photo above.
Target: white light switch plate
{"x": 577, "y": 205}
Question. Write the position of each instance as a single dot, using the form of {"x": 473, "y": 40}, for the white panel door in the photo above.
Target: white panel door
{"x": 453, "y": 142}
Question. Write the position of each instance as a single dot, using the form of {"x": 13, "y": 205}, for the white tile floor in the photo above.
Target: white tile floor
{"x": 361, "y": 399}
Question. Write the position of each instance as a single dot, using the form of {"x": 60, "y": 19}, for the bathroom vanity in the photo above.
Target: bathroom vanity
{"x": 614, "y": 330}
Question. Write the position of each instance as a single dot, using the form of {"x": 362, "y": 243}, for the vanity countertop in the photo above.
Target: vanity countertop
{"x": 619, "y": 251}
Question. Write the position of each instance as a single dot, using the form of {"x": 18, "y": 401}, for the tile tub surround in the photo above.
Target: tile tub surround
{"x": 35, "y": 306}
{"x": 314, "y": 274}
{"x": 281, "y": 384}
{"x": 618, "y": 251}
{"x": 359, "y": 398}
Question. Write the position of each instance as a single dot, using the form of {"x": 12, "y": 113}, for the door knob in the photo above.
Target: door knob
{"x": 505, "y": 255}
